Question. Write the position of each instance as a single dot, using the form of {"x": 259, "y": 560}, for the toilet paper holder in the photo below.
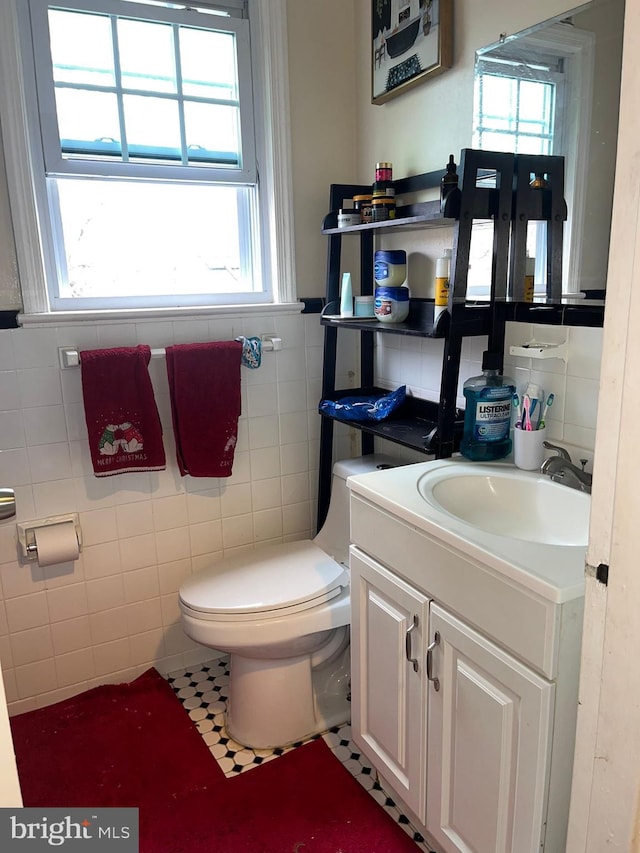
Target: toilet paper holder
{"x": 27, "y": 534}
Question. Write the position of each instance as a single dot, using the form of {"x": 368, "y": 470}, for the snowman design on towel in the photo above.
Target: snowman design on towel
{"x": 116, "y": 437}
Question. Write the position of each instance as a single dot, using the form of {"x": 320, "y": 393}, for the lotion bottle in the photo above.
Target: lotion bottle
{"x": 443, "y": 271}
{"x": 346, "y": 296}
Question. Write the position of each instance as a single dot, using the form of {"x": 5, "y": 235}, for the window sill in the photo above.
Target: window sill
{"x": 71, "y": 318}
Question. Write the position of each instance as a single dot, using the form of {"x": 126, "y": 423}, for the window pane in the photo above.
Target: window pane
{"x": 144, "y": 239}
{"x": 498, "y": 141}
{"x": 480, "y": 259}
{"x": 212, "y": 133}
{"x": 88, "y": 121}
{"x": 81, "y": 48}
{"x": 532, "y": 145}
{"x": 152, "y": 127}
{"x": 188, "y": 109}
{"x": 498, "y": 95}
{"x": 535, "y": 101}
{"x": 208, "y": 64}
{"x": 147, "y": 57}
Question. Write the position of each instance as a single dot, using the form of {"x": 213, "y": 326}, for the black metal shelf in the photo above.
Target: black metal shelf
{"x": 425, "y": 320}
{"x": 567, "y": 312}
{"x": 492, "y": 185}
{"x": 414, "y": 424}
{"x": 425, "y": 214}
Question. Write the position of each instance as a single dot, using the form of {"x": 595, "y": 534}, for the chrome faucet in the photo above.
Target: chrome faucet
{"x": 562, "y": 470}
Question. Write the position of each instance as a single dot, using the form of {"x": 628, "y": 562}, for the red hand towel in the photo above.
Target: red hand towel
{"x": 204, "y": 384}
{"x": 124, "y": 427}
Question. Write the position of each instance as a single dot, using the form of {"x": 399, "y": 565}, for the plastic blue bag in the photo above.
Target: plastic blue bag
{"x": 366, "y": 408}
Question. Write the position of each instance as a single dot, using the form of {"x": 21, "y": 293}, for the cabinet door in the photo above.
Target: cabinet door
{"x": 388, "y": 688}
{"x": 489, "y": 744}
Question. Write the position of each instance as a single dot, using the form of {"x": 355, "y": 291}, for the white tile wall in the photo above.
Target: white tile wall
{"x": 572, "y": 418}
{"x": 114, "y": 612}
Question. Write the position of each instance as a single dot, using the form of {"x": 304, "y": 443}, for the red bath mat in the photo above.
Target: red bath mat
{"x": 134, "y": 745}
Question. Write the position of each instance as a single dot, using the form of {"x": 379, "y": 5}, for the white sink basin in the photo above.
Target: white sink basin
{"x": 509, "y": 503}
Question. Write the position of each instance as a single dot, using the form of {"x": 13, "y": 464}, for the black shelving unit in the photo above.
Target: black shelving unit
{"x": 492, "y": 185}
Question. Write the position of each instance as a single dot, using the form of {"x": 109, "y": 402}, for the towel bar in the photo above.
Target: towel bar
{"x": 70, "y": 356}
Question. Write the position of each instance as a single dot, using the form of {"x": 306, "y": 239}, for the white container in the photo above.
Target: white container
{"x": 390, "y": 267}
{"x": 528, "y": 448}
{"x": 391, "y": 304}
{"x": 347, "y": 218}
{"x": 364, "y": 306}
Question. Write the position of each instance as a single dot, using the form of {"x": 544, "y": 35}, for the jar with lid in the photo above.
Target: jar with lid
{"x": 383, "y": 184}
{"x": 383, "y": 189}
{"x": 391, "y": 304}
{"x": 390, "y": 267}
{"x": 347, "y": 217}
{"x": 384, "y": 172}
{"x": 383, "y": 208}
{"x": 362, "y": 204}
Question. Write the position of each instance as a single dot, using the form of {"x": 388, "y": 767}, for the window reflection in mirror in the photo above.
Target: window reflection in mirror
{"x": 554, "y": 89}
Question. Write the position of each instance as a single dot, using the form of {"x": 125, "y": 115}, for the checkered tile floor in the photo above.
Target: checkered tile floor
{"x": 202, "y": 691}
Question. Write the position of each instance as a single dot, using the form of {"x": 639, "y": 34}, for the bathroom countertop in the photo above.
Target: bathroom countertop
{"x": 555, "y": 572}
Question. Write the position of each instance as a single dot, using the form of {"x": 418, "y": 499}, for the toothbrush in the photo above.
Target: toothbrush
{"x": 527, "y": 413}
{"x": 533, "y": 393}
{"x": 547, "y": 406}
{"x": 518, "y": 404}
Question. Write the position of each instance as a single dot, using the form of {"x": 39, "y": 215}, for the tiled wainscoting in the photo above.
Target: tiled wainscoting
{"x": 114, "y": 612}
{"x": 572, "y": 419}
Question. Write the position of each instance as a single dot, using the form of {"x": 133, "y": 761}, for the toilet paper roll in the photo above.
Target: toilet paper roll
{"x": 57, "y": 543}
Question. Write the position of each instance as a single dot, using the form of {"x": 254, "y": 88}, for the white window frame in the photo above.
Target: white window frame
{"x": 26, "y": 188}
{"x": 58, "y": 165}
{"x": 577, "y": 48}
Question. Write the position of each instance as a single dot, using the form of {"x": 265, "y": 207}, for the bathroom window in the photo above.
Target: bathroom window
{"x": 529, "y": 97}
{"x": 516, "y": 108}
{"x": 144, "y": 159}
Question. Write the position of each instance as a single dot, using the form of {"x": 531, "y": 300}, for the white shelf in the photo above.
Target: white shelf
{"x": 537, "y": 349}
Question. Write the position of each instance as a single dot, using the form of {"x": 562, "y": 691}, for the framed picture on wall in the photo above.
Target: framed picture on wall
{"x": 411, "y": 40}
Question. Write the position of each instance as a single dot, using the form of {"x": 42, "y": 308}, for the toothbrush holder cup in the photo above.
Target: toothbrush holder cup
{"x": 528, "y": 448}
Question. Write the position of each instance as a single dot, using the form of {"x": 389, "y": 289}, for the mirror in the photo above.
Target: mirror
{"x": 554, "y": 89}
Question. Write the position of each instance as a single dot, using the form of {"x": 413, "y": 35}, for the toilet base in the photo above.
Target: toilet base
{"x": 287, "y": 701}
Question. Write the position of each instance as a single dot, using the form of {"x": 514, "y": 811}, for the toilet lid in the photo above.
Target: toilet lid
{"x": 294, "y": 576}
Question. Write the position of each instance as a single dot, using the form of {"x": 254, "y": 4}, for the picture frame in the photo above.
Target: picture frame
{"x": 411, "y": 41}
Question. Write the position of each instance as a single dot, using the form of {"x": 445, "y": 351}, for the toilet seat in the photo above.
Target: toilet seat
{"x": 268, "y": 582}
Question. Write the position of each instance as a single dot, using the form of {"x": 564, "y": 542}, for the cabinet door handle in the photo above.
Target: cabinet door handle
{"x": 407, "y": 644}
{"x": 430, "y": 648}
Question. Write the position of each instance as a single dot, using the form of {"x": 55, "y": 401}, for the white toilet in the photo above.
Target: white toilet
{"x": 283, "y": 614}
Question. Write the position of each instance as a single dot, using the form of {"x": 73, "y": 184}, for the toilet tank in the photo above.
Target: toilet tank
{"x": 333, "y": 536}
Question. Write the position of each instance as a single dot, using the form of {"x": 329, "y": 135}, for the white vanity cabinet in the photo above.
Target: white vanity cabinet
{"x": 488, "y": 743}
{"x": 464, "y": 688}
{"x": 389, "y": 626}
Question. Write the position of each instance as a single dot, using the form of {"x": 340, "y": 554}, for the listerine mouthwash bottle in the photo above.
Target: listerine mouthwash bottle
{"x": 487, "y": 417}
